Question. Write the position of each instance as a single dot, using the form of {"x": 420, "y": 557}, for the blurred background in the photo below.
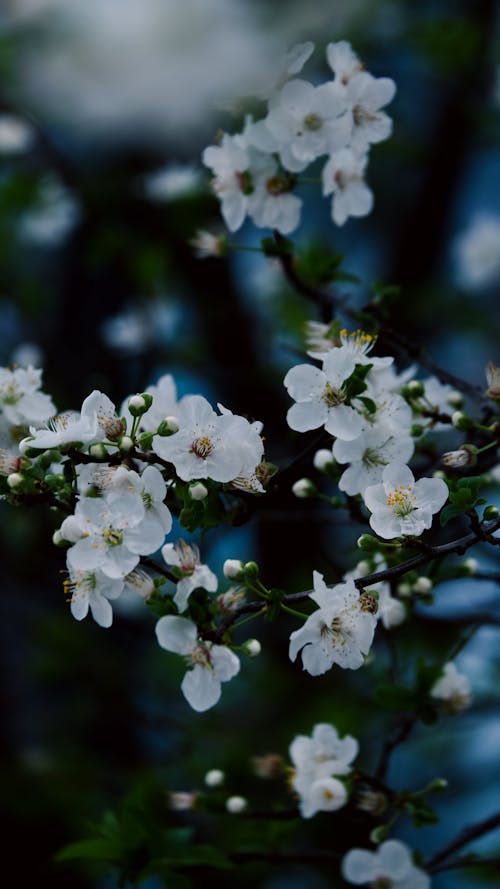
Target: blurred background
{"x": 105, "y": 109}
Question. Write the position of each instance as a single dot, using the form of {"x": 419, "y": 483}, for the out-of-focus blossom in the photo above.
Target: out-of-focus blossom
{"x": 477, "y": 252}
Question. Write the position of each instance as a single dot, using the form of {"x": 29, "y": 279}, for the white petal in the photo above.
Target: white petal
{"x": 358, "y": 866}
{"x": 201, "y": 688}
{"x": 176, "y": 634}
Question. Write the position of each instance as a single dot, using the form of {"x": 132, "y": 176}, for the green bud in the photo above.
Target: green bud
{"x": 461, "y": 421}
{"x": 251, "y": 569}
{"x": 98, "y": 451}
{"x": 368, "y": 542}
{"x": 15, "y": 480}
{"x": 414, "y": 389}
{"x": 145, "y": 441}
{"x": 139, "y": 404}
{"x": 168, "y": 426}
{"x": 126, "y": 443}
{"x": 490, "y": 512}
{"x": 379, "y": 834}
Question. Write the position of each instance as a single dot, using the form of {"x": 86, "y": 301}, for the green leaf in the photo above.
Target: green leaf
{"x": 98, "y": 849}
{"x": 278, "y": 247}
{"x": 450, "y": 512}
{"x": 369, "y": 404}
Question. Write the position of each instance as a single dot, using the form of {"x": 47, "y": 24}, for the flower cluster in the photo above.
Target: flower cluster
{"x": 256, "y": 171}
{"x": 358, "y": 400}
{"x": 390, "y": 866}
{"x": 318, "y": 761}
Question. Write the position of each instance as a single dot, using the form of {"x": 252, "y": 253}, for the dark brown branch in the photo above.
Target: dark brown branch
{"x": 466, "y": 835}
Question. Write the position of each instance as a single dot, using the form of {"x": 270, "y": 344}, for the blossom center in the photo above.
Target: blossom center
{"x": 361, "y": 340}
{"x": 371, "y": 457}
{"x": 202, "y": 447}
{"x": 200, "y": 655}
{"x": 313, "y": 122}
{"x": 361, "y": 115}
{"x": 113, "y": 536}
{"x": 332, "y": 396}
{"x": 381, "y": 883}
{"x": 402, "y": 500}
{"x": 244, "y": 180}
{"x": 279, "y": 184}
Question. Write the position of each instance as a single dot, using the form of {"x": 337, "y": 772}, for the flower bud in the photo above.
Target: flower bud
{"x": 438, "y": 473}
{"x": 490, "y": 512}
{"x": 323, "y": 460}
{"x": 233, "y": 568}
{"x": 404, "y": 590}
{"x": 15, "y": 480}
{"x": 414, "y": 389}
{"x": 423, "y": 585}
{"x": 168, "y": 426}
{"x": 58, "y": 539}
{"x": 181, "y": 801}
{"x": 461, "y": 421}
{"x": 303, "y": 488}
{"x": 464, "y": 456}
{"x": 252, "y": 647}
{"x": 268, "y": 766}
{"x": 198, "y": 491}
{"x": 469, "y": 566}
{"x": 367, "y": 542}
{"x": 236, "y": 804}
{"x": 214, "y": 778}
{"x": 98, "y": 451}
{"x": 251, "y": 569}
{"x": 139, "y": 404}
{"x": 372, "y": 801}
{"x": 455, "y": 399}
{"x": 125, "y": 443}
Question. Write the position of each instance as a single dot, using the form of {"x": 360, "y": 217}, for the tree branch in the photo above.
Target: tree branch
{"x": 466, "y": 835}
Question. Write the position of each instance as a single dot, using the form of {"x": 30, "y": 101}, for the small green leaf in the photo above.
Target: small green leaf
{"x": 98, "y": 849}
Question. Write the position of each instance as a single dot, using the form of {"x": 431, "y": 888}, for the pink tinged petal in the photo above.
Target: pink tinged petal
{"x": 344, "y": 422}
{"x": 201, "y": 688}
{"x": 225, "y": 662}
{"x": 394, "y": 859}
{"x": 176, "y": 634}
{"x": 358, "y": 866}
{"x": 101, "y": 610}
{"x": 304, "y": 382}
{"x": 306, "y": 415}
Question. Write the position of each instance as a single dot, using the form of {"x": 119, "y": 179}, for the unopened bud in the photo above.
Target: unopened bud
{"x": 233, "y": 568}
{"x": 198, "y": 491}
{"x": 252, "y": 647}
{"x": 251, "y": 569}
{"x": 464, "y": 456}
{"x": 125, "y": 443}
{"x": 168, "y": 426}
{"x": 469, "y": 566}
{"x": 15, "y": 479}
{"x": 414, "y": 389}
{"x": 323, "y": 459}
{"x": 268, "y": 766}
{"x": 214, "y": 778}
{"x": 490, "y": 512}
{"x": 58, "y": 539}
{"x": 423, "y": 585}
{"x": 303, "y": 488}
{"x": 461, "y": 421}
{"x": 98, "y": 451}
{"x": 138, "y": 405}
{"x": 367, "y": 542}
{"x": 455, "y": 399}
{"x": 236, "y": 804}
{"x": 181, "y": 801}
{"x": 438, "y": 473}
{"x": 372, "y": 801}
{"x": 404, "y": 590}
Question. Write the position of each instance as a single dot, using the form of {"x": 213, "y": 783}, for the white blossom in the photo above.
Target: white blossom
{"x": 21, "y": 401}
{"x": 316, "y": 761}
{"x": 368, "y": 455}
{"x": 208, "y": 665}
{"x": 452, "y": 688}
{"x": 229, "y": 162}
{"x": 390, "y": 866}
{"x": 365, "y": 96}
{"x": 320, "y": 397}
{"x": 477, "y": 252}
{"x": 208, "y": 445}
{"x": 92, "y": 590}
{"x": 339, "y": 632}
{"x": 194, "y": 574}
{"x": 343, "y": 178}
{"x": 400, "y": 505}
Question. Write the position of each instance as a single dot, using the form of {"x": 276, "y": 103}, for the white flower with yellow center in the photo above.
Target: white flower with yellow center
{"x": 230, "y": 162}
{"x": 400, "y": 505}
{"x": 208, "y": 665}
{"x": 21, "y": 402}
{"x": 343, "y": 178}
{"x": 389, "y": 867}
{"x": 92, "y": 590}
{"x": 339, "y": 632}
{"x": 209, "y": 445}
{"x": 452, "y": 689}
{"x": 365, "y": 96}
{"x": 320, "y": 396}
{"x": 112, "y": 534}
